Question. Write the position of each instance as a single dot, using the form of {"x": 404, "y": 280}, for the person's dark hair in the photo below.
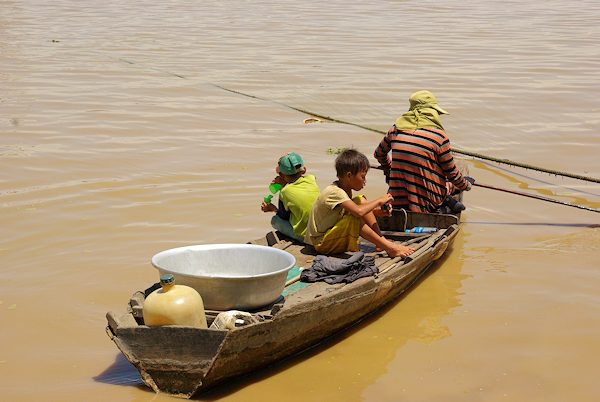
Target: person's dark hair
{"x": 295, "y": 176}
{"x": 351, "y": 160}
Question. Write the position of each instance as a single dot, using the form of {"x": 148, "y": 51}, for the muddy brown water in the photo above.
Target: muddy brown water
{"x": 117, "y": 143}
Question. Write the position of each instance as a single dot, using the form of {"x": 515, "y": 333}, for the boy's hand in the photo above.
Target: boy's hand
{"x": 384, "y": 199}
{"x": 387, "y": 209}
{"x": 384, "y": 210}
{"x": 268, "y": 207}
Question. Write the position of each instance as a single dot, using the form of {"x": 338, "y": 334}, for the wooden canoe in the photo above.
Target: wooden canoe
{"x": 182, "y": 361}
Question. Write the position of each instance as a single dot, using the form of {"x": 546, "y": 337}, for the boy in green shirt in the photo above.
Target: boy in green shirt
{"x": 296, "y": 197}
{"x": 337, "y": 219}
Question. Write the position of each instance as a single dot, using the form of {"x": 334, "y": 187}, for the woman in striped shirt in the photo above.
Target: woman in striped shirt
{"x": 421, "y": 171}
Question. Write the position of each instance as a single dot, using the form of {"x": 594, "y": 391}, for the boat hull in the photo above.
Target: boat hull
{"x": 182, "y": 361}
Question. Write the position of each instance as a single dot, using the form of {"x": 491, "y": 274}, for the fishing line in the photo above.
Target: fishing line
{"x": 349, "y": 123}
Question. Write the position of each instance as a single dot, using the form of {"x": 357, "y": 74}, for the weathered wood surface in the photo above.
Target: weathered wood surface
{"x": 182, "y": 361}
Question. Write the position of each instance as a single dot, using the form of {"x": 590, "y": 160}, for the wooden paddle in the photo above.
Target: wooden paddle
{"x": 537, "y": 197}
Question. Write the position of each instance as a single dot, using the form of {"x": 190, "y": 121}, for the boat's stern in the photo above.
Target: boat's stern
{"x": 171, "y": 359}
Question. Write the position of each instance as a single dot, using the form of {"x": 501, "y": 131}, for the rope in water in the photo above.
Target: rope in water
{"x": 334, "y": 120}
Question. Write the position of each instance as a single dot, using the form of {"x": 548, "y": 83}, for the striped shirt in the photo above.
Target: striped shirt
{"x": 420, "y": 165}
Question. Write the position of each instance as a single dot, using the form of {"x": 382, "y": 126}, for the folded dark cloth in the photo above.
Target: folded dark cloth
{"x": 338, "y": 270}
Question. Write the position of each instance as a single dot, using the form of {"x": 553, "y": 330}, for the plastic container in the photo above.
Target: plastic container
{"x": 174, "y": 305}
{"x": 421, "y": 229}
{"x": 273, "y": 188}
{"x": 232, "y": 319}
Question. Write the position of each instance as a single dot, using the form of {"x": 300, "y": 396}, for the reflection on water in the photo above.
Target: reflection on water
{"x": 117, "y": 143}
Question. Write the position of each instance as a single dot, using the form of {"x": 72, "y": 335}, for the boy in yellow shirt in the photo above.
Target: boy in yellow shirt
{"x": 337, "y": 219}
{"x": 296, "y": 197}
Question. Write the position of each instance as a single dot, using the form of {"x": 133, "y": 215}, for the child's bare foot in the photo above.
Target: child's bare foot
{"x": 398, "y": 250}
{"x": 377, "y": 248}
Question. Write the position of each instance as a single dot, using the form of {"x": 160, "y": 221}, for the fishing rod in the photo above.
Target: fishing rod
{"x": 335, "y": 120}
{"x": 456, "y": 150}
{"x": 537, "y": 197}
{"x": 512, "y": 173}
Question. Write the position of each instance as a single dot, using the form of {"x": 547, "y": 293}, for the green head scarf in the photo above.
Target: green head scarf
{"x": 424, "y": 112}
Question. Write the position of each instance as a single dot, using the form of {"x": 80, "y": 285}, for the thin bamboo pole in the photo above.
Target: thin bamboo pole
{"x": 537, "y": 197}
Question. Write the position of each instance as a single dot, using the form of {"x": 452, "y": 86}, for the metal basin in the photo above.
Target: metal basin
{"x": 228, "y": 276}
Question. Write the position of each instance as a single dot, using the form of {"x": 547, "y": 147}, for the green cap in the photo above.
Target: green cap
{"x": 425, "y": 99}
{"x": 290, "y": 164}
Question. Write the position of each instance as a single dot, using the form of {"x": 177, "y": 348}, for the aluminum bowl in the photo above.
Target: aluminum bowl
{"x": 228, "y": 276}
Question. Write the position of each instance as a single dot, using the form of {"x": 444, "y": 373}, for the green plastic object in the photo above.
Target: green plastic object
{"x": 273, "y": 188}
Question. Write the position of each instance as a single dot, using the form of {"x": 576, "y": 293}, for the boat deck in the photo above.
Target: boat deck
{"x": 299, "y": 292}
{"x": 305, "y": 255}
